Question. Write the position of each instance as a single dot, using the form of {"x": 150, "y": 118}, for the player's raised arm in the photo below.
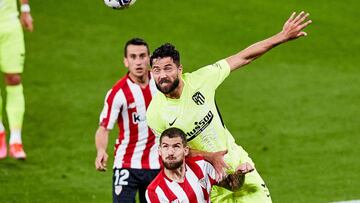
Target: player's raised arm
{"x": 292, "y": 29}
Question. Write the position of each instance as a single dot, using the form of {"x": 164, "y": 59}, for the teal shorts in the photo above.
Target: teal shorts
{"x": 12, "y": 48}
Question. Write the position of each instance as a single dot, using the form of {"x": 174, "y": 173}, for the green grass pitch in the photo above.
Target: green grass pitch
{"x": 296, "y": 110}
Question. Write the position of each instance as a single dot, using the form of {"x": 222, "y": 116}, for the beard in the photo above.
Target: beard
{"x": 167, "y": 90}
{"x": 173, "y": 165}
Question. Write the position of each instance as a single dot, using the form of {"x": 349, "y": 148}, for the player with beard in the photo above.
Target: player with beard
{"x": 183, "y": 179}
{"x": 187, "y": 101}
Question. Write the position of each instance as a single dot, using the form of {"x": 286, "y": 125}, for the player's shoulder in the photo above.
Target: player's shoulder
{"x": 194, "y": 159}
{"x": 156, "y": 181}
{"x": 120, "y": 83}
{"x": 156, "y": 102}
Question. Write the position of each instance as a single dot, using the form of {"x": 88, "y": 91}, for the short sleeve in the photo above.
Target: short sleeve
{"x": 112, "y": 106}
{"x": 212, "y": 75}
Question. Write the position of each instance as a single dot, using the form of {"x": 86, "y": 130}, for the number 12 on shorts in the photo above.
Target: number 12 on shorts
{"x": 121, "y": 176}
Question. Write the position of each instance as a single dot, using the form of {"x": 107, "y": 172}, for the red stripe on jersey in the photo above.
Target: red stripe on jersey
{"x": 104, "y": 123}
{"x": 151, "y": 137}
{"x": 153, "y": 196}
{"x": 165, "y": 188}
{"x": 188, "y": 190}
{"x": 147, "y": 95}
{"x": 191, "y": 162}
{"x": 133, "y": 128}
{"x": 212, "y": 181}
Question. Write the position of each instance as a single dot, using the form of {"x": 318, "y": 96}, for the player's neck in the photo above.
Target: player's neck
{"x": 177, "y": 175}
{"x": 142, "y": 81}
{"x": 176, "y": 93}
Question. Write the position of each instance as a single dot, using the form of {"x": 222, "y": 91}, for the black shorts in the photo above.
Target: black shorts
{"x": 127, "y": 181}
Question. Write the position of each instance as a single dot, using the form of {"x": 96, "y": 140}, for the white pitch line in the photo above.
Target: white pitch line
{"x": 349, "y": 201}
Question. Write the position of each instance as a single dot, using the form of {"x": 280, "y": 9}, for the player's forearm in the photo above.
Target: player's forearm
{"x": 194, "y": 152}
{"x": 254, "y": 51}
{"x": 101, "y": 139}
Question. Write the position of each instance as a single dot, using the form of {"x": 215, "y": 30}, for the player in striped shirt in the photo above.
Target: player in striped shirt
{"x": 136, "y": 161}
{"x": 182, "y": 179}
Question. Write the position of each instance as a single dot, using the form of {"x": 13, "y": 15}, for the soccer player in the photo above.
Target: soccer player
{"x": 136, "y": 160}
{"x": 187, "y": 101}
{"x": 183, "y": 179}
{"x": 12, "y": 56}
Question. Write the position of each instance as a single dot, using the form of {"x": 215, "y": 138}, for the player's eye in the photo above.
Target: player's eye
{"x": 156, "y": 70}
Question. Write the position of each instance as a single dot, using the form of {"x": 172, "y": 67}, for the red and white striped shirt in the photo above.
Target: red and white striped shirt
{"x": 199, "y": 178}
{"x": 126, "y": 104}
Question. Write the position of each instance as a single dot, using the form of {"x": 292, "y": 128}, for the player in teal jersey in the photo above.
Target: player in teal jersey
{"x": 188, "y": 102}
{"x": 12, "y": 56}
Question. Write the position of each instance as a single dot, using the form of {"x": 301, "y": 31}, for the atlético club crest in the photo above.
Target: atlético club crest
{"x": 198, "y": 98}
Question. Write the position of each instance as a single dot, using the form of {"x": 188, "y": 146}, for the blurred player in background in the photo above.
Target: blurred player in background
{"x": 12, "y": 56}
{"x": 136, "y": 160}
{"x": 187, "y": 101}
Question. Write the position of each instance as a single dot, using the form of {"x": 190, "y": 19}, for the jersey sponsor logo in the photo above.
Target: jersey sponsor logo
{"x": 198, "y": 98}
{"x": 136, "y": 118}
{"x": 200, "y": 126}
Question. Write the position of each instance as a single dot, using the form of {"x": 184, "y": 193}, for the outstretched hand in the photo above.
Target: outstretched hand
{"x": 294, "y": 26}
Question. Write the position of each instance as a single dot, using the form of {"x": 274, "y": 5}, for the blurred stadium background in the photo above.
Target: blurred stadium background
{"x": 296, "y": 110}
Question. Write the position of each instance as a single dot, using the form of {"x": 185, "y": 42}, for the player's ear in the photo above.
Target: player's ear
{"x": 126, "y": 62}
{"x": 186, "y": 150}
{"x": 180, "y": 68}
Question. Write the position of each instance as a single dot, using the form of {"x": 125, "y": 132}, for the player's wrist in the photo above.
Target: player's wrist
{"x": 25, "y": 8}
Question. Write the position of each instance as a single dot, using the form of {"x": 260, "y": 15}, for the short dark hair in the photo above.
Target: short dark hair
{"x": 166, "y": 50}
{"x": 136, "y": 41}
{"x": 172, "y": 133}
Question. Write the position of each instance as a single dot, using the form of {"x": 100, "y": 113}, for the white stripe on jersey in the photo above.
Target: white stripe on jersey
{"x": 194, "y": 182}
{"x": 120, "y": 152}
{"x": 153, "y": 87}
{"x": 161, "y": 195}
{"x": 177, "y": 190}
{"x": 142, "y": 126}
{"x": 154, "y": 156}
{"x": 211, "y": 172}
